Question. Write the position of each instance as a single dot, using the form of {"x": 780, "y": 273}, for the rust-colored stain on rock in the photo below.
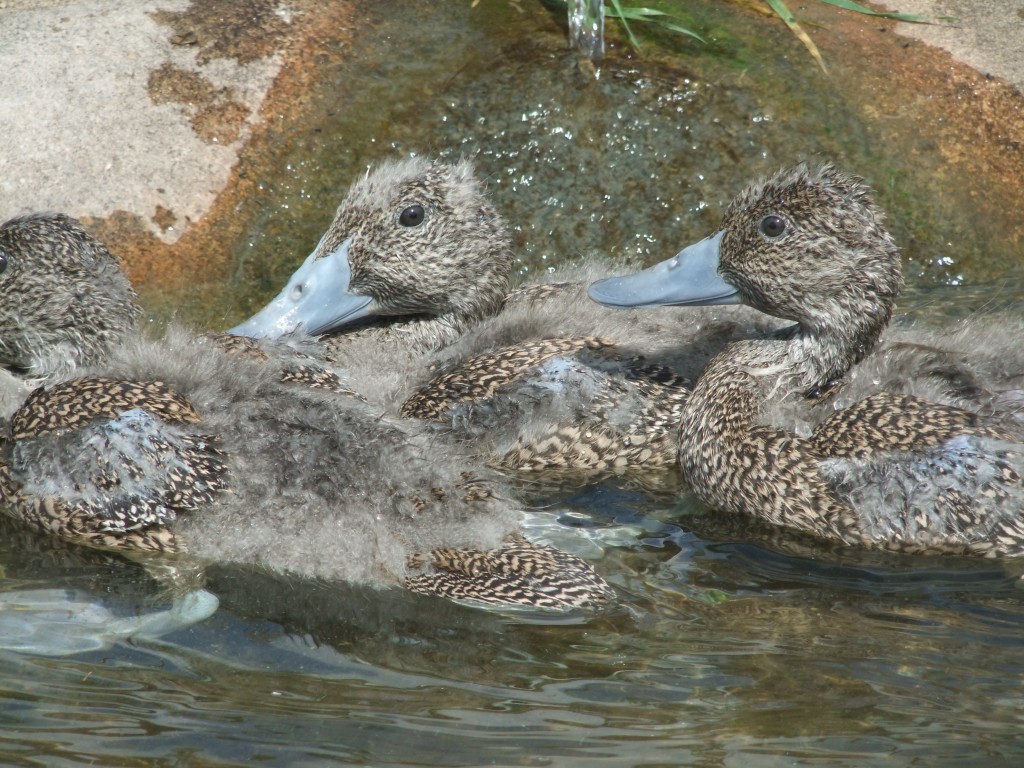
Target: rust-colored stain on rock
{"x": 243, "y": 31}
{"x": 974, "y": 120}
{"x": 216, "y": 117}
{"x": 164, "y": 218}
{"x": 221, "y": 122}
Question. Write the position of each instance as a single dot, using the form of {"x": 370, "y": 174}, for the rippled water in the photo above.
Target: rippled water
{"x": 724, "y": 649}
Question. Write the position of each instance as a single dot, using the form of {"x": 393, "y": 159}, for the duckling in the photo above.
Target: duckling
{"x": 213, "y": 450}
{"x": 534, "y": 378}
{"x": 891, "y": 471}
{"x": 46, "y": 333}
{"x": 370, "y": 262}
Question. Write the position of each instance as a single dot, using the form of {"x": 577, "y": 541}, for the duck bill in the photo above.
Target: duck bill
{"x": 688, "y": 278}
{"x": 316, "y": 299}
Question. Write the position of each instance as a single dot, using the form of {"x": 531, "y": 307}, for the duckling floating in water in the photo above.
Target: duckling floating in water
{"x": 540, "y": 377}
{"x": 177, "y": 446}
{"x": 892, "y": 471}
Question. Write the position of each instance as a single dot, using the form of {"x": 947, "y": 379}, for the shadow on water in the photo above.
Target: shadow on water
{"x": 727, "y": 648}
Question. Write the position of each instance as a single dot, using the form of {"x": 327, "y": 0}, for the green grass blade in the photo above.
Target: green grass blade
{"x": 681, "y": 30}
{"x": 784, "y": 13}
{"x": 617, "y": 8}
{"x": 653, "y": 16}
{"x": 849, "y": 5}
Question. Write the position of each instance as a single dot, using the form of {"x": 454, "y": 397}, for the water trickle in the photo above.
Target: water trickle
{"x": 586, "y": 27}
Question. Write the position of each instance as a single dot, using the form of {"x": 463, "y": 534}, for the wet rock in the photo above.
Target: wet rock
{"x": 136, "y": 115}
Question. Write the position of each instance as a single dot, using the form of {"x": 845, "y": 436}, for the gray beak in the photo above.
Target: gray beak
{"x": 316, "y": 299}
{"x": 690, "y": 277}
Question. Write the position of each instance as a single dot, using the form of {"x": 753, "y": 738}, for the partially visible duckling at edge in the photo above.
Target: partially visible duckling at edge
{"x": 536, "y": 378}
{"x": 891, "y": 471}
{"x": 54, "y": 331}
{"x": 175, "y": 445}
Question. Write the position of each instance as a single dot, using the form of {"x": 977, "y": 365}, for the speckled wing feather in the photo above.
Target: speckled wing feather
{"x": 109, "y": 462}
{"x": 304, "y": 372}
{"x": 240, "y": 346}
{"x": 480, "y": 377}
{"x": 73, "y": 403}
{"x": 598, "y": 440}
{"x": 650, "y": 437}
{"x": 887, "y": 422}
{"x": 531, "y": 294}
{"x": 80, "y": 523}
{"x": 925, "y": 477}
{"x": 517, "y": 573}
{"x": 627, "y": 412}
{"x": 317, "y": 377}
{"x": 957, "y": 497}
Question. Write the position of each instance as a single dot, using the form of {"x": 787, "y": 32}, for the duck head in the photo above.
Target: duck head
{"x": 63, "y": 298}
{"x": 806, "y": 244}
{"x": 411, "y": 238}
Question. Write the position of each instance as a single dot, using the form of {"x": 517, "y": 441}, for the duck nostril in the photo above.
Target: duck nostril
{"x": 297, "y": 290}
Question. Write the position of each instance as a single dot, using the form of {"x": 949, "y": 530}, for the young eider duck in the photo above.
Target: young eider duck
{"x": 175, "y": 445}
{"x": 534, "y": 378}
{"x": 891, "y": 471}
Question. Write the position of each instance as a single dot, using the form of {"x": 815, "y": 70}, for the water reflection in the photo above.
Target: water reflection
{"x": 852, "y": 659}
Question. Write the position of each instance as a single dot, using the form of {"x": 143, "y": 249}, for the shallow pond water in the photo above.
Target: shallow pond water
{"x": 632, "y": 164}
{"x": 724, "y": 649}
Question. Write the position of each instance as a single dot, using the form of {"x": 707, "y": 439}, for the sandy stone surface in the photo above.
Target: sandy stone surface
{"x": 105, "y": 107}
{"x": 987, "y": 35}
{"x": 149, "y": 119}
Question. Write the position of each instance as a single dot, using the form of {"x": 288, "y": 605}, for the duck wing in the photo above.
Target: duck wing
{"x": 518, "y": 573}
{"x": 923, "y": 477}
{"x": 573, "y": 402}
{"x": 109, "y": 462}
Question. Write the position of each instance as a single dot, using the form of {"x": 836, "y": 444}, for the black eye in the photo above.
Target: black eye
{"x": 772, "y": 226}
{"x": 3, "y": 262}
{"x": 412, "y": 216}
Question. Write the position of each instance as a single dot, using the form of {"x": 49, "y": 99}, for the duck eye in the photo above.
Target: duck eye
{"x": 3, "y": 262}
{"x": 772, "y": 226}
{"x": 412, "y": 216}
